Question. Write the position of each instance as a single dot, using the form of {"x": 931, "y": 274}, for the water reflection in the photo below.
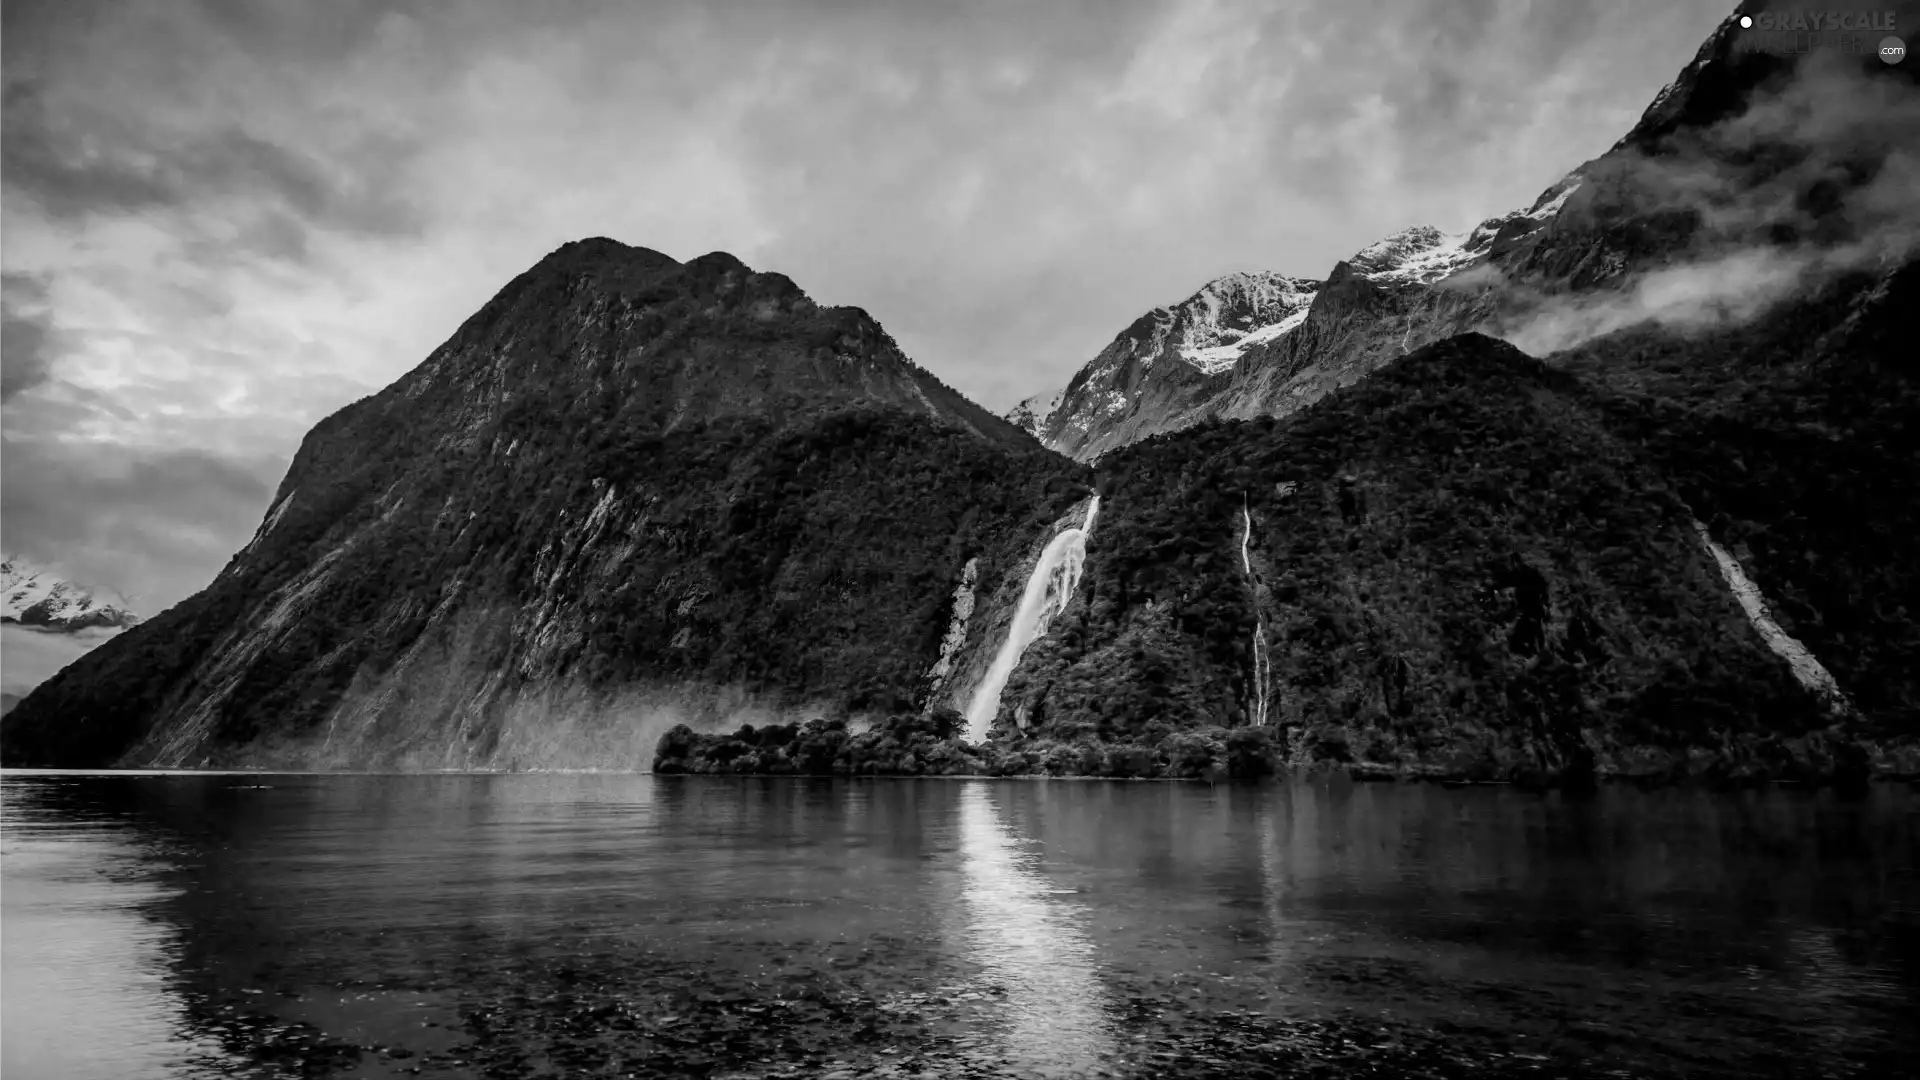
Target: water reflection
{"x": 78, "y": 941}
{"x": 1026, "y": 935}
{"x": 828, "y": 923}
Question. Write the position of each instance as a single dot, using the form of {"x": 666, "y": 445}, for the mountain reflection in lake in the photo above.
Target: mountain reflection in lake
{"x": 514, "y": 926}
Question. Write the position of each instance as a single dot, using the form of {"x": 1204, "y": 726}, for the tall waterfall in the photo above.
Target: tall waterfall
{"x": 1259, "y": 629}
{"x": 1051, "y": 586}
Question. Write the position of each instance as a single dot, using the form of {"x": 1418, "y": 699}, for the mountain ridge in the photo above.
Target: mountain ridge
{"x": 436, "y": 568}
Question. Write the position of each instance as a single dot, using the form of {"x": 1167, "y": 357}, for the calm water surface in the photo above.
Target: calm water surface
{"x": 518, "y": 926}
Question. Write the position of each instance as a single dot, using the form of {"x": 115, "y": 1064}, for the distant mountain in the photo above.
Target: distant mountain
{"x": 1032, "y": 414}
{"x": 34, "y": 598}
{"x": 1748, "y": 177}
{"x": 1167, "y": 364}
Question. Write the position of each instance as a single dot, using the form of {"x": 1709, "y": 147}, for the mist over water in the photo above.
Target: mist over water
{"x": 194, "y": 925}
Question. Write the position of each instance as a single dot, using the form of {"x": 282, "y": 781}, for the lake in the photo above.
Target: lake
{"x": 586, "y": 925}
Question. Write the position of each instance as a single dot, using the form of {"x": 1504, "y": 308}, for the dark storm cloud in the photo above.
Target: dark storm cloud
{"x": 156, "y": 525}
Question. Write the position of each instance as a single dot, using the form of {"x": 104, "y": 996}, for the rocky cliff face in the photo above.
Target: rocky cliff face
{"x": 627, "y": 492}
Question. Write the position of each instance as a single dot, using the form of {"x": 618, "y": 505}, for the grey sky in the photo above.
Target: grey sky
{"x": 224, "y": 220}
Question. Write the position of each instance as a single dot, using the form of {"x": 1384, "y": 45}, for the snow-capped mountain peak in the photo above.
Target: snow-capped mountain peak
{"x": 1230, "y": 314}
{"x": 32, "y": 597}
{"x": 1032, "y": 414}
{"x": 1423, "y": 254}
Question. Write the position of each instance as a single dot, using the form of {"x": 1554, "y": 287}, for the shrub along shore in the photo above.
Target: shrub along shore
{"x": 930, "y": 745}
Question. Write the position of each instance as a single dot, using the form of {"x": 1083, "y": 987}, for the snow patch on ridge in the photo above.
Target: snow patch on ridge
{"x": 1423, "y": 254}
{"x": 1033, "y": 414}
{"x": 1217, "y": 325}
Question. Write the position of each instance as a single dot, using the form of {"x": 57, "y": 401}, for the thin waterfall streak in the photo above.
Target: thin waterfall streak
{"x": 1259, "y": 627}
{"x": 1049, "y": 590}
{"x": 1806, "y": 668}
{"x": 1246, "y": 515}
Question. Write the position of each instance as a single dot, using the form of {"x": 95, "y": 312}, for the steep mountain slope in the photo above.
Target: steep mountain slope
{"x": 626, "y": 492}
{"x": 32, "y": 597}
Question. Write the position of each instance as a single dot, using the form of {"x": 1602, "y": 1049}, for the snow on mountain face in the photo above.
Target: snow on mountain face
{"x": 1240, "y": 319}
{"x": 1423, "y": 254}
{"x": 32, "y": 597}
{"x": 1216, "y": 325}
{"x": 1031, "y": 415}
{"x": 1163, "y": 363}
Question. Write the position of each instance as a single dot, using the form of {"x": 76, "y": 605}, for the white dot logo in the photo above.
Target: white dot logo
{"x": 1892, "y": 50}
{"x": 1746, "y": 22}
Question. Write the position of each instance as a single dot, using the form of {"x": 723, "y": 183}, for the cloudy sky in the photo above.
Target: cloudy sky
{"x": 225, "y": 219}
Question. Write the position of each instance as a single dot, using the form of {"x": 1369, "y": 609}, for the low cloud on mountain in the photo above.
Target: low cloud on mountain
{"x": 1819, "y": 180}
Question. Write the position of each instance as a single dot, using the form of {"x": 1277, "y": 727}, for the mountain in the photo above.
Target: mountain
{"x": 34, "y": 598}
{"x": 1466, "y": 565}
{"x": 1673, "y": 546}
{"x": 628, "y": 491}
{"x": 1752, "y": 176}
{"x": 1620, "y": 484}
{"x": 1169, "y": 363}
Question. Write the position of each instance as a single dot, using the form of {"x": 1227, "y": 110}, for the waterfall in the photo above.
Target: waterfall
{"x": 1049, "y": 589}
{"x": 1808, "y": 670}
{"x": 1259, "y": 628}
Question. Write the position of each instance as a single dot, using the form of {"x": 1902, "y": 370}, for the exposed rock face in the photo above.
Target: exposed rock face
{"x": 628, "y": 492}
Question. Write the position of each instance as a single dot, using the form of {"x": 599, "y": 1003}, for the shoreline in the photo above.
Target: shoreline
{"x": 1310, "y": 775}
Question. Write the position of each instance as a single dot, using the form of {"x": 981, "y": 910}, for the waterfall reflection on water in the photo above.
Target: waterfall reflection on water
{"x": 1031, "y": 945}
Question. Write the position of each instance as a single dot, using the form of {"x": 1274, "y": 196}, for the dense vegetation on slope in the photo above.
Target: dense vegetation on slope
{"x": 806, "y": 564}
{"x": 1457, "y": 569}
{"x": 1797, "y": 437}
